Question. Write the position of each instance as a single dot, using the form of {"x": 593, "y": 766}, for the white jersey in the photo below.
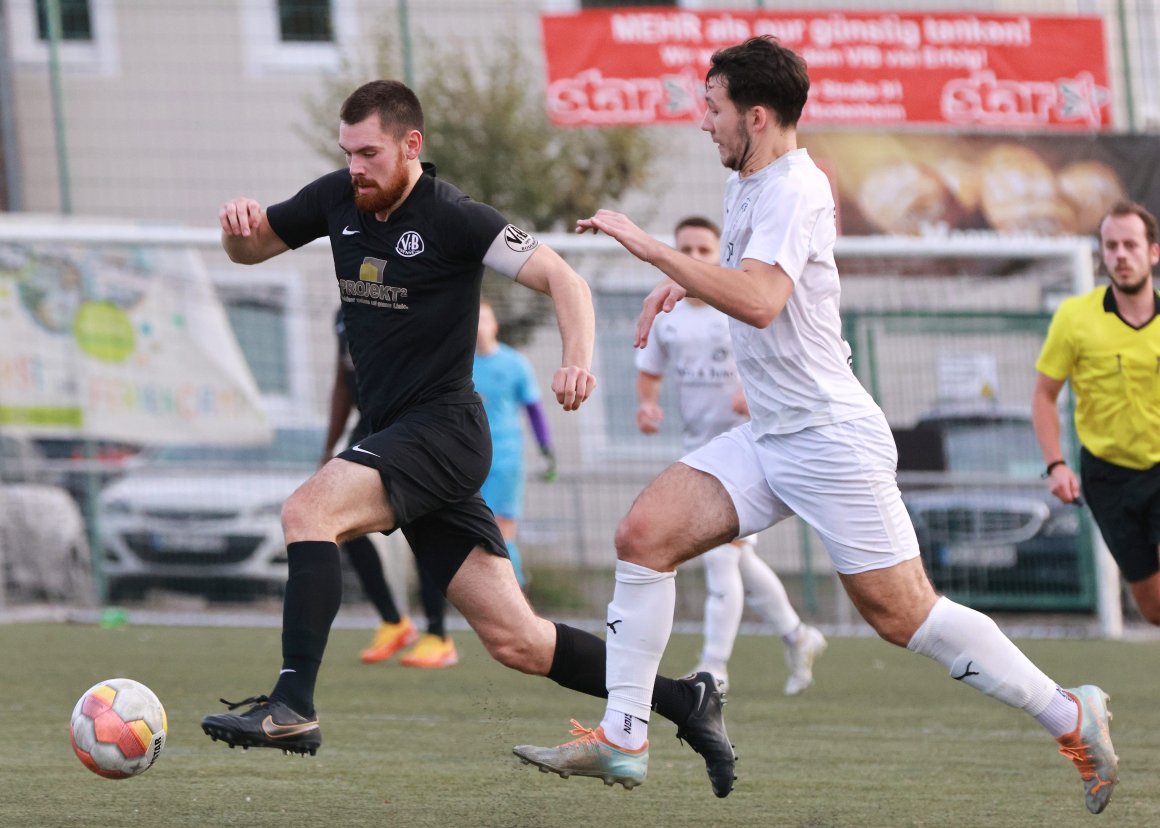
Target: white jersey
{"x": 692, "y": 345}
{"x": 796, "y": 372}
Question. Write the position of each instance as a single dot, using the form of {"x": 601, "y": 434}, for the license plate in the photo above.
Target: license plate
{"x": 999, "y": 556}
{"x": 181, "y": 542}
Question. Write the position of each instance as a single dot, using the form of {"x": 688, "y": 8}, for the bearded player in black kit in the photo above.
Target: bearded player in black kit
{"x": 409, "y": 251}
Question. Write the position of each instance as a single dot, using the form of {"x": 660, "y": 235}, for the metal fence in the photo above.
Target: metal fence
{"x": 165, "y": 513}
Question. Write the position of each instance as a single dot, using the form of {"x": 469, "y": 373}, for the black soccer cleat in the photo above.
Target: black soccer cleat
{"x": 704, "y": 732}
{"x": 267, "y": 723}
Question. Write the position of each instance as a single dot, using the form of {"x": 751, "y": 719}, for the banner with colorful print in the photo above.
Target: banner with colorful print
{"x": 126, "y": 343}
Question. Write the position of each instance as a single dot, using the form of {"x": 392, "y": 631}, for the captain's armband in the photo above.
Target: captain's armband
{"x": 510, "y": 250}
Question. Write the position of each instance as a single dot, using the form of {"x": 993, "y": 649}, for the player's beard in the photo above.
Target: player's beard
{"x": 384, "y": 196}
{"x": 736, "y": 160}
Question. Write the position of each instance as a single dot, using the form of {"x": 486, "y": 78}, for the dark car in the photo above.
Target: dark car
{"x": 84, "y": 466}
{"x": 990, "y": 532}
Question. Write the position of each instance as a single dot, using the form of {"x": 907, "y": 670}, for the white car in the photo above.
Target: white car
{"x": 43, "y": 559}
{"x": 205, "y": 518}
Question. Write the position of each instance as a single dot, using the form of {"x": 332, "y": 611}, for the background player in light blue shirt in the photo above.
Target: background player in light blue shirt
{"x": 503, "y": 378}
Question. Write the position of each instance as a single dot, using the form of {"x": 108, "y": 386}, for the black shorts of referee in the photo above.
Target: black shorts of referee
{"x": 432, "y": 462}
{"x": 1126, "y": 506}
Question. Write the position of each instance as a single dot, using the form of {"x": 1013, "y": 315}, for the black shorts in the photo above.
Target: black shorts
{"x": 1126, "y": 506}
{"x": 432, "y": 461}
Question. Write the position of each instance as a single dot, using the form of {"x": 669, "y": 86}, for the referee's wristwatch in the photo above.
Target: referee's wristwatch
{"x": 1050, "y": 466}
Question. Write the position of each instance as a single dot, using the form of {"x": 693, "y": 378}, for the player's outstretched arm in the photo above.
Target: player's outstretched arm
{"x": 753, "y": 293}
{"x": 247, "y": 237}
{"x": 620, "y": 227}
{"x": 546, "y": 272}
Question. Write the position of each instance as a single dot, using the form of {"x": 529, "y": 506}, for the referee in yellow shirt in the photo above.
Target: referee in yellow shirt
{"x": 1107, "y": 342}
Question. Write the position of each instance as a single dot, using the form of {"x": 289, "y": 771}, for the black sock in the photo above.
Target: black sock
{"x": 434, "y": 604}
{"x": 313, "y": 594}
{"x": 364, "y": 557}
{"x": 673, "y": 699}
{"x": 579, "y": 663}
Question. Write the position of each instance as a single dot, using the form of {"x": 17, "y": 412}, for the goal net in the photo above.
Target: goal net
{"x": 944, "y": 333}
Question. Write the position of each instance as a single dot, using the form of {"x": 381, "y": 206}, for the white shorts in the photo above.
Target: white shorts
{"x": 839, "y": 478}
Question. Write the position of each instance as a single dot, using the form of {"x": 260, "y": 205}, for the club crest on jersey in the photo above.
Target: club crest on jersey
{"x": 372, "y": 270}
{"x": 519, "y": 240}
{"x": 410, "y": 244}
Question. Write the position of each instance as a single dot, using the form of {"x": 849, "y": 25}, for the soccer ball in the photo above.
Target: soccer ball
{"x": 118, "y": 728}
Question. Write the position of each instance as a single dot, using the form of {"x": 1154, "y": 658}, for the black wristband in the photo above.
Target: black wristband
{"x": 1052, "y": 465}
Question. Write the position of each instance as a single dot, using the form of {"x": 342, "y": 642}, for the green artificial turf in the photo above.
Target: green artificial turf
{"x": 884, "y": 738}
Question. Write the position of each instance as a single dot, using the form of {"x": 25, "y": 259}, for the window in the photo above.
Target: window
{"x": 88, "y": 40}
{"x": 615, "y": 4}
{"x": 274, "y": 335}
{"x": 76, "y": 22}
{"x": 260, "y": 328}
{"x": 305, "y": 21}
{"x": 605, "y": 4}
{"x": 299, "y": 36}
{"x": 569, "y": 6}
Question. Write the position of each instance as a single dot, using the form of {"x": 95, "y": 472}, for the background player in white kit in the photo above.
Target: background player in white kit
{"x": 692, "y": 346}
{"x": 816, "y": 445}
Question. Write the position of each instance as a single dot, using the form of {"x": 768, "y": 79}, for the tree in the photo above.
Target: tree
{"x": 541, "y": 176}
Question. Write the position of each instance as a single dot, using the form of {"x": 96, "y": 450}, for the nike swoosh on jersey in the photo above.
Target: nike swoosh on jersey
{"x": 277, "y": 731}
{"x": 364, "y": 451}
{"x": 346, "y": 231}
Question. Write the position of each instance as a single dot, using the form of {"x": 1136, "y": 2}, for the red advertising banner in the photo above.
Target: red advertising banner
{"x": 619, "y": 67}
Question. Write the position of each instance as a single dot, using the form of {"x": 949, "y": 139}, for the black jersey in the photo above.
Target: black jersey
{"x": 409, "y": 285}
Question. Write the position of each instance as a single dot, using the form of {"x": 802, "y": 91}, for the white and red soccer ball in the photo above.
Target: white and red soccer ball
{"x": 118, "y": 728}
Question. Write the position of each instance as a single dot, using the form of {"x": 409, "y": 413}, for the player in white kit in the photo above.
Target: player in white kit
{"x": 816, "y": 445}
{"x": 691, "y": 345}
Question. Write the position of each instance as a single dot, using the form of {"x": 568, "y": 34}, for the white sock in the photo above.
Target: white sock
{"x": 724, "y": 603}
{"x": 640, "y": 620}
{"x": 766, "y": 594}
{"x": 1061, "y": 716}
{"x": 975, "y": 651}
{"x": 624, "y": 729}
